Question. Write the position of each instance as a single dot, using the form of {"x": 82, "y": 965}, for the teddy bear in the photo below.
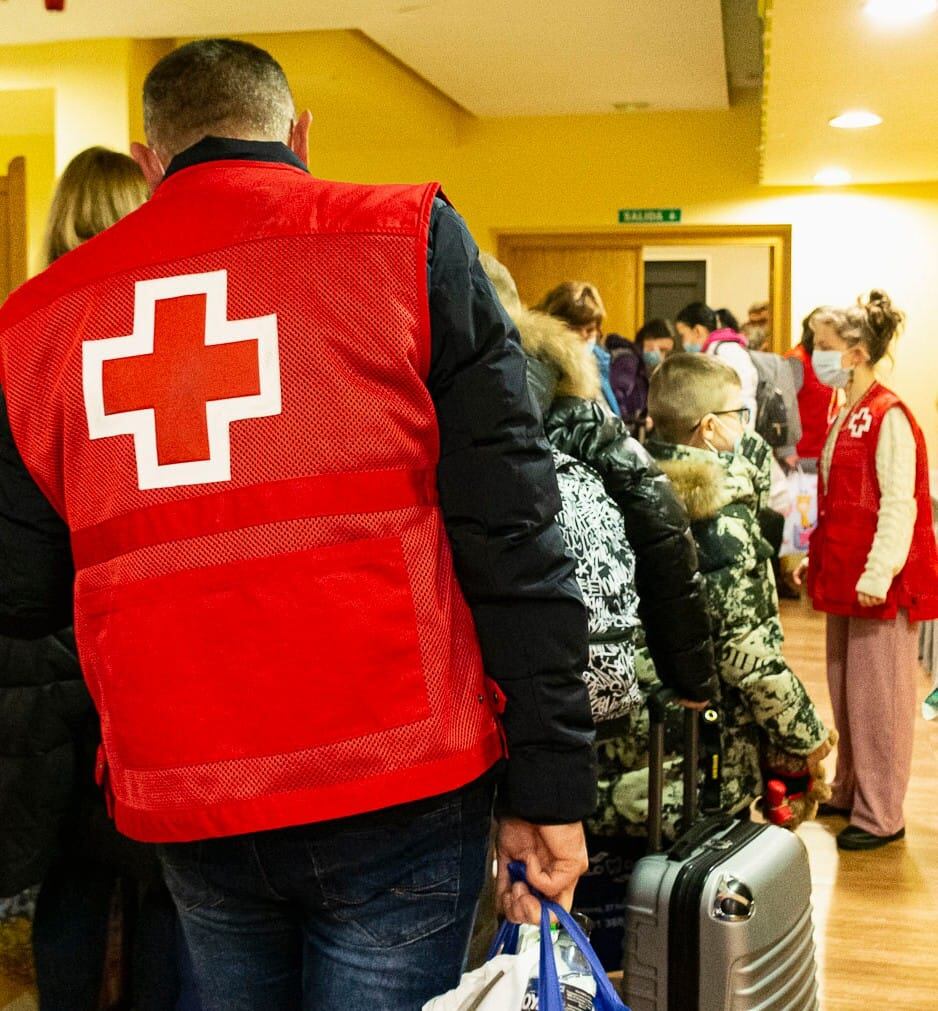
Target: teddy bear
{"x": 794, "y": 788}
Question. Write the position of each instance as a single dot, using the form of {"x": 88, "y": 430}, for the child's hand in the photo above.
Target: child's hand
{"x": 797, "y": 577}
{"x": 867, "y": 601}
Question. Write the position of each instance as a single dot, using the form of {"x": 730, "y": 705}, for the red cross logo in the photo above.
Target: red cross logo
{"x": 861, "y": 423}
{"x": 181, "y": 378}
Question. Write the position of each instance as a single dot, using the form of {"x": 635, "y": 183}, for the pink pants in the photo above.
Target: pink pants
{"x": 872, "y": 671}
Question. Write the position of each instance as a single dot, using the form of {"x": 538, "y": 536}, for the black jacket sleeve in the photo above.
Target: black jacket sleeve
{"x": 498, "y": 493}
{"x": 36, "y": 571}
{"x": 672, "y": 598}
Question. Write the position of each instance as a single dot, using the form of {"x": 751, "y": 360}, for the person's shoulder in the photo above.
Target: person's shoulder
{"x": 84, "y": 265}
{"x": 381, "y": 201}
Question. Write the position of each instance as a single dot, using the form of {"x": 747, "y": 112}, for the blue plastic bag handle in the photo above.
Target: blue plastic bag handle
{"x": 506, "y": 940}
{"x": 549, "y": 995}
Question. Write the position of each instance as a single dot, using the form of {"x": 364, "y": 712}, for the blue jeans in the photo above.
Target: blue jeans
{"x": 373, "y": 911}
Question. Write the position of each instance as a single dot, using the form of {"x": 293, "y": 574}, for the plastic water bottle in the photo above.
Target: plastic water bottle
{"x": 577, "y": 986}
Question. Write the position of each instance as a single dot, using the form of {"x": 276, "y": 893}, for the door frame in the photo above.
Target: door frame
{"x": 776, "y": 237}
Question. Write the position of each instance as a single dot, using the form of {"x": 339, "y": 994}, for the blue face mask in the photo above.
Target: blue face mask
{"x": 652, "y": 359}
{"x": 693, "y": 348}
{"x": 828, "y": 367}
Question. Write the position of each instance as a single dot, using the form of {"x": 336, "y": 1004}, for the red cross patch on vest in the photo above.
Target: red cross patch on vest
{"x": 181, "y": 378}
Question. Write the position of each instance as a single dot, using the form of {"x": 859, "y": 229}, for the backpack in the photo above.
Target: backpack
{"x": 629, "y": 381}
{"x": 772, "y": 421}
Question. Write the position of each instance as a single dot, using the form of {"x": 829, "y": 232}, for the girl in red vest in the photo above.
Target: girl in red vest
{"x": 873, "y": 569}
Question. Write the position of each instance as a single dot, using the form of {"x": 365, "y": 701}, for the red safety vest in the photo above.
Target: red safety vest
{"x": 817, "y": 405}
{"x": 848, "y": 511}
{"x": 224, "y": 397}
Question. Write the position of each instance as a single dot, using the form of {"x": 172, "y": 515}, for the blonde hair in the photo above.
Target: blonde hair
{"x": 502, "y": 282}
{"x": 577, "y": 303}
{"x": 875, "y": 323}
{"x": 683, "y": 390}
{"x": 97, "y": 188}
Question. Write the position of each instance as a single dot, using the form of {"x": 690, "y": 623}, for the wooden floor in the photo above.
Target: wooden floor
{"x": 876, "y": 913}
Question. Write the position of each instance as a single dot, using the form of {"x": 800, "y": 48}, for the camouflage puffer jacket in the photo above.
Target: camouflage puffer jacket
{"x": 759, "y": 697}
{"x": 593, "y": 532}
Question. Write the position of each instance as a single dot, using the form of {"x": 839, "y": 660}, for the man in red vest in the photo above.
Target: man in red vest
{"x": 280, "y": 453}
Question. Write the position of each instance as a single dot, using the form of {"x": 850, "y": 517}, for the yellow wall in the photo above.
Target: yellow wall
{"x": 376, "y": 121}
{"x": 90, "y": 82}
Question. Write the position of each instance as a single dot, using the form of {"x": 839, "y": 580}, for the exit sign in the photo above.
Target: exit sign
{"x": 649, "y": 215}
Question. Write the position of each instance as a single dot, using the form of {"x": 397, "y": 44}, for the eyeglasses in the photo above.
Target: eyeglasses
{"x": 743, "y": 413}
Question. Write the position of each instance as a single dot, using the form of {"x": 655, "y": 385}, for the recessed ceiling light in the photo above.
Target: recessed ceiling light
{"x": 856, "y": 119}
{"x": 833, "y": 177}
{"x": 900, "y": 12}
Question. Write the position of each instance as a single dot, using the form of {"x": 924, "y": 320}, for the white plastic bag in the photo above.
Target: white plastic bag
{"x": 498, "y": 985}
{"x": 801, "y": 521}
{"x": 502, "y": 984}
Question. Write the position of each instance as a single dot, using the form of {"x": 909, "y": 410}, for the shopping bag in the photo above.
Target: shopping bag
{"x": 801, "y": 521}
{"x": 502, "y": 983}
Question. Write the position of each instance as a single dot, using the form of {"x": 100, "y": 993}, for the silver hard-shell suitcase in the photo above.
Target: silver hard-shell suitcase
{"x": 722, "y": 920}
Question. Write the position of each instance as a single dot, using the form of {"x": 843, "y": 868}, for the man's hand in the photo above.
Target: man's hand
{"x": 555, "y": 857}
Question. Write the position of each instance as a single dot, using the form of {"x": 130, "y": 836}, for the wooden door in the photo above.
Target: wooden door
{"x": 13, "y": 227}
{"x": 538, "y": 263}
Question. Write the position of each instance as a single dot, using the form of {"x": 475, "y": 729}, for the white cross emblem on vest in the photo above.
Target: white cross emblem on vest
{"x": 861, "y": 423}
{"x": 179, "y": 381}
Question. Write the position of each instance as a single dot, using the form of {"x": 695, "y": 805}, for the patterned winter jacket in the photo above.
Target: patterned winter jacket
{"x": 760, "y": 697}
{"x": 592, "y": 527}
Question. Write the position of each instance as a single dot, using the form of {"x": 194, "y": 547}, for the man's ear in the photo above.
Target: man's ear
{"x": 149, "y": 163}
{"x": 299, "y": 136}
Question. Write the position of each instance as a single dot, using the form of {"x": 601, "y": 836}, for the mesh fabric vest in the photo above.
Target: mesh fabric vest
{"x": 848, "y": 510}
{"x": 224, "y": 397}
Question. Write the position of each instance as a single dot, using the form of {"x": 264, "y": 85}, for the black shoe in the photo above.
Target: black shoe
{"x": 853, "y": 838}
{"x": 829, "y": 811}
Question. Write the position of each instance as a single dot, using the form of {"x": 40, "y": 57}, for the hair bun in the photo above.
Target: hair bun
{"x": 884, "y": 321}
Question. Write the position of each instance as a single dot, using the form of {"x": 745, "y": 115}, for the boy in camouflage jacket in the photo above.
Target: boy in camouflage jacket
{"x": 721, "y": 473}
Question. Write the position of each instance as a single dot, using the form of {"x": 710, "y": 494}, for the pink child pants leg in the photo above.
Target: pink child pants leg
{"x": 872, "y": 671}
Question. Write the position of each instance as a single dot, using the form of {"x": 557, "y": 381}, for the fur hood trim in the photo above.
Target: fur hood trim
{"x": 700, "y": 485}
{"x": 546, "y": 338}
{"x": 550, "y": 341}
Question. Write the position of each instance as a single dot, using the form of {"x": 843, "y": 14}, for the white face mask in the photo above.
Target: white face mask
{"x": 828, "y": 367}
{"x": 737, "y": 440}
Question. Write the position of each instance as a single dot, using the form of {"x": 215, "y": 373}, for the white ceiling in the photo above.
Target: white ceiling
{"x": 493, "y": 57}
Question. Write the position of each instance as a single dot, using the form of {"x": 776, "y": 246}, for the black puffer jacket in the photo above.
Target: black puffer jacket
{"x": 44, "y": 710}
{"x": 671, "y": 592}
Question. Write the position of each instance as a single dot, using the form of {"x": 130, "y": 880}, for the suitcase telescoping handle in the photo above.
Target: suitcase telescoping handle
{"x": 658, "y": 704}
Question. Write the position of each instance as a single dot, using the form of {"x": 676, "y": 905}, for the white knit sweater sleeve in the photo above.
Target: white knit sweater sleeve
{"x": 895, "y": 470}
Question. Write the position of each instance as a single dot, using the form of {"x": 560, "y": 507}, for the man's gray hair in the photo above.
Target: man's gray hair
{"x": 218, "y": 87}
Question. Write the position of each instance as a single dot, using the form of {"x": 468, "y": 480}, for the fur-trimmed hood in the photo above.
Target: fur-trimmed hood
{"x": 699, "y": 484}
{"x": 707, "y": 482}
{"x": 547, "y": 339}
